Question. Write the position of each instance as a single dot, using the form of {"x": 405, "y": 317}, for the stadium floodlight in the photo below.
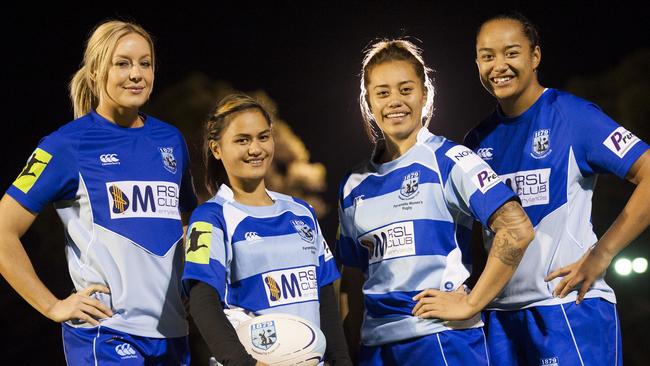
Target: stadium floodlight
{"x": 623, "y": 266}
{"x": 640, "y": 265}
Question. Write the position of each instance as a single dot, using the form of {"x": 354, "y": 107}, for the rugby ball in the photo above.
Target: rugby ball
{"x": 282, "y": 339}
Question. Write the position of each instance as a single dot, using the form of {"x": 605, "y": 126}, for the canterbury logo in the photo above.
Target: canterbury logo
{"x": 252, "y": 236}
{"x": 274, "y": 289}
{"x": 125, "y": 350}
{"x": 109, "y": 159}
{"x": 485, "y": 153}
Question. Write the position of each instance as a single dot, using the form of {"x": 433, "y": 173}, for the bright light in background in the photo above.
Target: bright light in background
{"x": 623, "y": 266}
{"x": 639, "y": 265}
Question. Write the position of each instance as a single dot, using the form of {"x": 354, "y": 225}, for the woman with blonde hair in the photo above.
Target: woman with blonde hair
{"x": 119, "y": 180}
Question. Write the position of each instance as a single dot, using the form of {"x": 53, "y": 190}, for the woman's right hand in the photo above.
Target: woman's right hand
{"x": 80, "y": 305}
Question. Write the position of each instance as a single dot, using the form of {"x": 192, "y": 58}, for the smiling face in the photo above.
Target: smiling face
{"x": 506, "y": 62}
{"x": 130, "y": 76}
{"x": 396, "y": 97}
{"x": 245, "y": 147}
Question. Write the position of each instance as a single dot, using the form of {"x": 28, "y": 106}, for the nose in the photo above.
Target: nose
{"x": 500, "y": 64}
{"x": 396, "y": 101}
{"x": 254, "y": 148}
{"x": 136, "y": 73}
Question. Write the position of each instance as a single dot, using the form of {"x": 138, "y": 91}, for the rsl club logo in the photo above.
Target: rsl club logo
{"x": 263, "y": 335}
{"x": 169, "y": 161}
{"x": 410, "y": 185}
{"x": 305, "y": 232}
{"x": 120, "y": 201}
{"x": 541, "y": 143}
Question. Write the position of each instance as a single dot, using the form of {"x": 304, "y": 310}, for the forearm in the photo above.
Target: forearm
{"x": 218, "y": 333}
{"x": 337, "y": 350}
{"x": 513, "y": 233}
{"x": 352, "y": 307}
{"x": 17, "y": 269}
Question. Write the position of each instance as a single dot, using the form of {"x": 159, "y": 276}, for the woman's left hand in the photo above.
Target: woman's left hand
{"x": 443, "y": 305}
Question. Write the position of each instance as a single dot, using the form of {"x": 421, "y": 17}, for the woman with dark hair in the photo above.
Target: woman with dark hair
{"x": 251, "y": 251}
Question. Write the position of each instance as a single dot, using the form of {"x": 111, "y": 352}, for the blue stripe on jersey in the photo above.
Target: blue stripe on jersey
{"x": 390, "y": 304}
{"x": 213, "y": 274}
{"x": 265, "y": 226}
{"x": 377, "y": 185}
{"x": 483, "y": 209}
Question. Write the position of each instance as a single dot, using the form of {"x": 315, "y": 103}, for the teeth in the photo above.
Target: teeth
{"x": 396, "y": 115}
{"x": 501, "y": 79}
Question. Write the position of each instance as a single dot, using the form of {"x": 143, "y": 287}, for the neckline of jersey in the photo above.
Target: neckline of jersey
{"x": 524, "y": 116}
{"x": 102, "y": 121}
{"x": 423, "y": 135}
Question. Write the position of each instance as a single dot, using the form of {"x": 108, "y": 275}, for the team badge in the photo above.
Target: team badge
{"x": 263, "y": 335}
{"x": 410, "y": 186}
{"x": 541, "y": 143}
{"x": 169, "y": 161}
{"x": 305, "y": 232}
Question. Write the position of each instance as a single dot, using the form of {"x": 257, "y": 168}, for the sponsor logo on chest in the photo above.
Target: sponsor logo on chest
{"x": 392, "y": 241}
{"x": 291, "y": 285}
{"x": 143, "y": 199}
{"x": 532, "y": 186}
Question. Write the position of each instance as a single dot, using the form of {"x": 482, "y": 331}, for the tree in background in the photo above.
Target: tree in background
{"x": 187, "y": 105}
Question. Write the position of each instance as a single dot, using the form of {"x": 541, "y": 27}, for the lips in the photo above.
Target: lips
{"x": 501, "y": 80}
{"x": 255, "y": 162}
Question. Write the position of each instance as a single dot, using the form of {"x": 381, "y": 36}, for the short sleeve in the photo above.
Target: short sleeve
{"x": 206, "y": 252}
{"x": 470, "y": 184}
{"x": 50, "y": 175}
{"x": 600, "y": 144}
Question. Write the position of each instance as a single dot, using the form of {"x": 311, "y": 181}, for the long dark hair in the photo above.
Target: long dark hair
{"x": 217, "y": 122}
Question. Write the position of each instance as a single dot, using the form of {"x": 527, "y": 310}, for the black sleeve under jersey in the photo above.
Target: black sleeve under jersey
{"x": 218, "y": 333}
{"x": 336, "y": 353}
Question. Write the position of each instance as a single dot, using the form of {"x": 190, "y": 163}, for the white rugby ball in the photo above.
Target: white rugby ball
{"x": 282, "y": 339}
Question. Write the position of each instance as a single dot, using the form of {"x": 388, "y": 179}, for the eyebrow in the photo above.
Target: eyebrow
{"x": 506, "y": 47}
{"x": 128, "y": 57}
{"x": 268, "y": 130}
{"x": 400, "y": 83}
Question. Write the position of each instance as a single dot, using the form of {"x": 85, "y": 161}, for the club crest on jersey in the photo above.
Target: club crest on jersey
{"x": 169, "y": 161}
{"x": 541, "y": 143}
{"x": 410, "y": 186}
{"x": 263, "y": 335}
{"x": 305, "y": 232}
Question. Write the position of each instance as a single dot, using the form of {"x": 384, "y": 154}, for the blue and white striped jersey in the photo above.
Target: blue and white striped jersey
{"x": 407, "y": 225}
{"x": 550, "y": 155}
{"x": 263, "y": 259}
{"x": 119, "y": 193}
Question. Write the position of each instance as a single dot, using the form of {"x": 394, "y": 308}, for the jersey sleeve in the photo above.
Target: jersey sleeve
{"x": 346, "y": 251}
{"x": 187, "y": 195}
{"x": 600, "y": 144}
{"x": 207, "y": 256}
{"x": 327, "y": 271}
{"x": 470, "y": 184}
{"x": 50, "y": 175}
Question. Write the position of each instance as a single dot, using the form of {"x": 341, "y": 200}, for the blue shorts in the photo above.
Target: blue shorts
{"x": 450, "y": 348}
{"x": 104, "y": 346}
{"x": 556, "y": 335}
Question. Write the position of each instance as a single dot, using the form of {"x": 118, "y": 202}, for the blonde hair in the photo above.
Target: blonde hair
{"x": 90, "y": 80}
{"x": 386, "y": 51}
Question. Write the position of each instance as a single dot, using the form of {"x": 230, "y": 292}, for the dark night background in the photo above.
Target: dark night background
{"x": 306, "y": 58}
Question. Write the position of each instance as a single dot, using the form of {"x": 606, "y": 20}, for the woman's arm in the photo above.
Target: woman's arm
{"x": 17, "y": 269}
{"x": 352, "y": 307}
{"x": 216, "y": 329}
{"x": 330, "y": 322}
{"x": 513, "y": 232}
{"x": 629, "y": 224}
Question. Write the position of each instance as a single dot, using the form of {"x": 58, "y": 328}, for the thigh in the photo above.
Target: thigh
{"x": 99, "y": 346}
{"x": 584, "y": 334}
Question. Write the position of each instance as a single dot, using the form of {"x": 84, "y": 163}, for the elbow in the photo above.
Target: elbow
{"x": 526, "y": 235}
